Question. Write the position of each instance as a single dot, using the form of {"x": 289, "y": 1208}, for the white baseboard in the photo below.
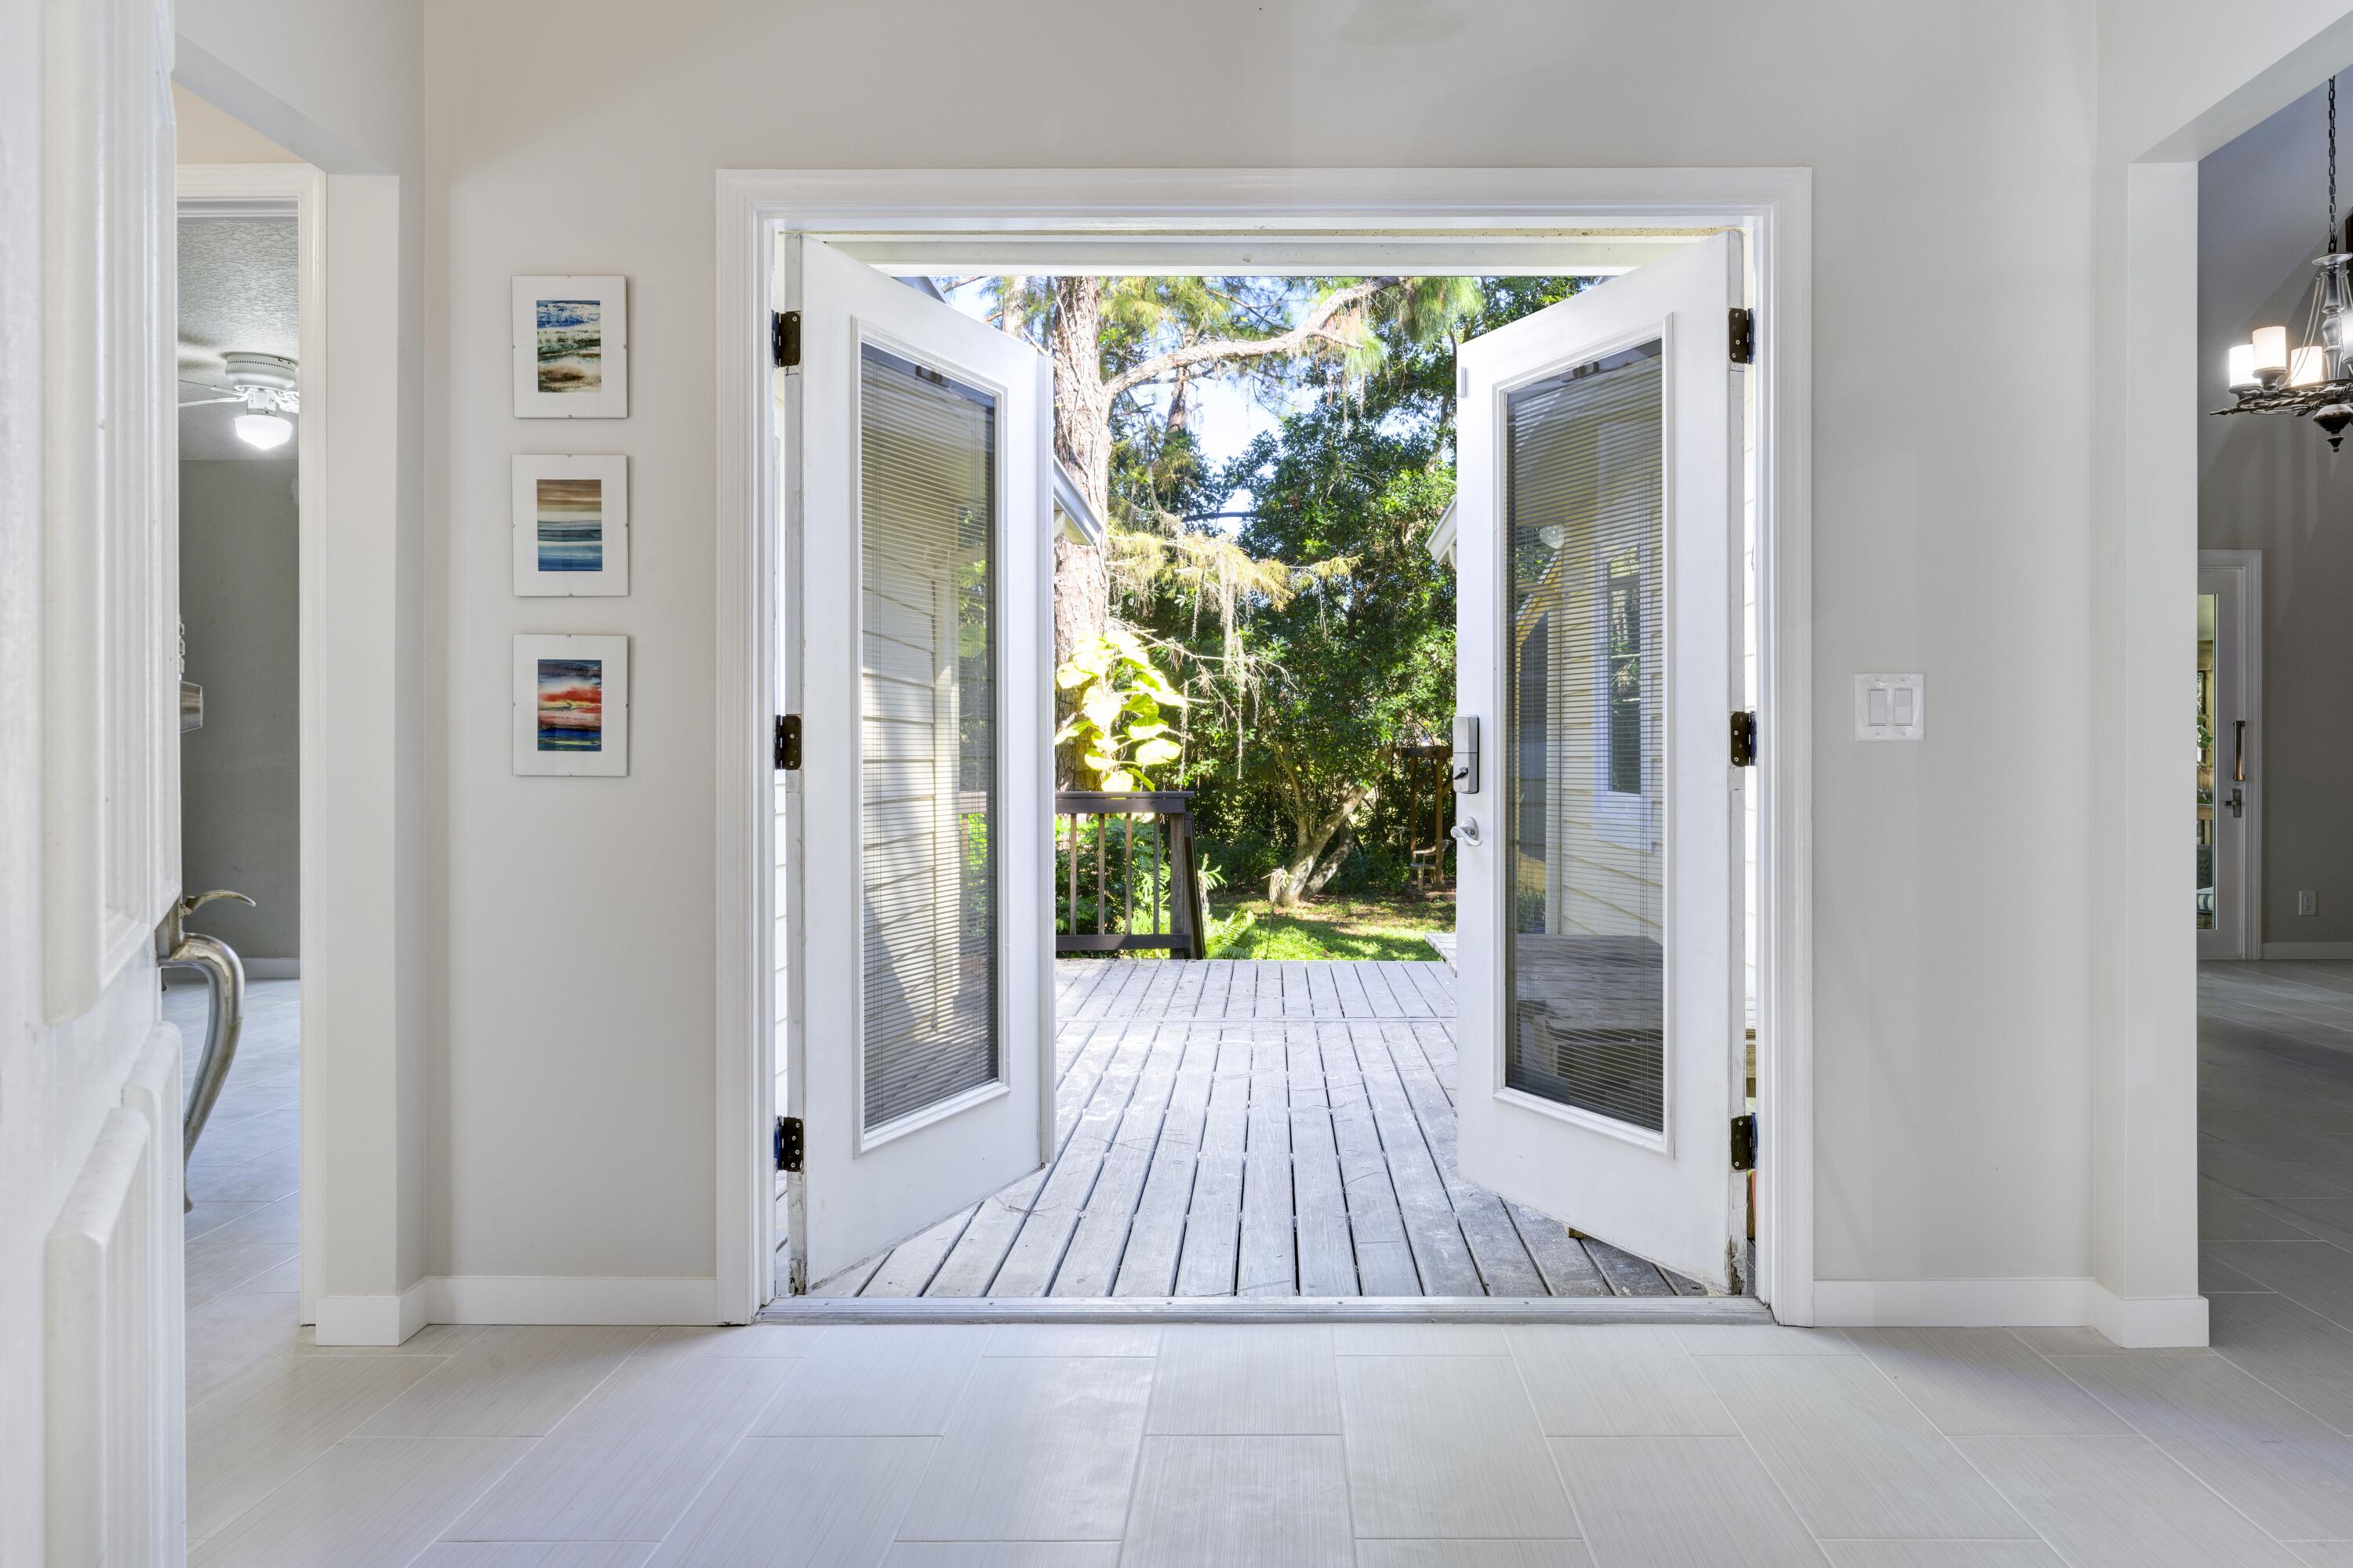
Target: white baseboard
{"x": 2141, "y": 1322}
{"x": 2150, "y": 1322}
{"x": 534, "y": 1298}
{"x": 1952, "y": 1303}
{"x": 2308, "y": 952}
{"x": 371, "y": 1320}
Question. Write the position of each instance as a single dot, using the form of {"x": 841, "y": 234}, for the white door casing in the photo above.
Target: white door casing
{"x": 889, "y": 821}
{"x": 1657, "y": 1179}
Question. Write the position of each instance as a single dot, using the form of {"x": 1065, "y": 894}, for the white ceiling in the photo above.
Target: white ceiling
{"x": 238, "y": 292}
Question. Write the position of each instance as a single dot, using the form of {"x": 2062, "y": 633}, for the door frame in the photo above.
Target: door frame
{"x": 246, "y": 190}
{"x": 2246, "y": 566}
{"x": 1101, "y": 218}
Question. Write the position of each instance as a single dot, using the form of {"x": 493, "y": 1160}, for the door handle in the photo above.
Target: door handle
{"x": 2239, "y": 762}
{"x": 1466, "y": 831}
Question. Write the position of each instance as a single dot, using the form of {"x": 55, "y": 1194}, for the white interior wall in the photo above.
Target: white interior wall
{"x": 1951, "y": 1109}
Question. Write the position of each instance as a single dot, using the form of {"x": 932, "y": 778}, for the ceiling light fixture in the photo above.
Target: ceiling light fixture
{"x": 2314, "y": 380}
{"x": 264, "y": 383}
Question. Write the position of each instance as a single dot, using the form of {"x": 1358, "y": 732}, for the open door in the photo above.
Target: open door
{"x": 917, "y": 647}
{"x": 1601, "y": 864}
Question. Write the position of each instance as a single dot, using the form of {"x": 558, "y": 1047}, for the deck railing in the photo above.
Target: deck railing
{"x": 1127, "y": 876}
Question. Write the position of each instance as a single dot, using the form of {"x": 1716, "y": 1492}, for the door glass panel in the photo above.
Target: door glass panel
{"x": 2206, "y": 762}
{"x": 1584, "y": 498}
{"x": 927, "y": 537}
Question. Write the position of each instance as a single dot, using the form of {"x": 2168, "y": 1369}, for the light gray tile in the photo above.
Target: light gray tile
{"x": 1854, "y": 1457}
{"x": 1003, "y": 1554}
{"x": 2091, "y": 1342}
{"x": 2279, "y": 1464}
{"x": 1615, "y": 1381}
{"x": 2216, "y": 1278}
{"x": 2330, "y": 1219}
{"x": 1700, "y": 1500}
{"x": 764, "y": 1340}
{"x": 1762, "y": 1339}
{"x": 2224, "y": 1216}
{"x": 229, "y": 1333}
{"x": 1444, "y": 1446}
{"x": 800, "y": 1502}
{"x": 2299, "y": 1352}
{"x": 1417, "y": 1340}
{"x": 2312, "y": 1273}
{"x": 537, "y": 1554}
{"x": 1245, "y": 1379}
{"x": 277, "y": 1222}
{"x": 895, "y": 1381}
{"x": 1073, "y": 1340}
{"x": 1981, "y": 1380}
{"x": 207, "y": 1219}
{"x": 507, "y": 1382}
{"x": 2323, "y": 1553}
{"x": 625, "y": 1463}
{"x": 2252, "y": 1176}
{"x": 367, "y": 1501}
{"x": 215, "y": 1267}
{"x": 1240, "y": 1503}
{"x": 1940, "y": 1554}
{"x": 2119, "y": 1503}
{"x": 1472, "y": 1554}
{"x": 1040, "y": 1448}
{"x": 275, "y": 1417}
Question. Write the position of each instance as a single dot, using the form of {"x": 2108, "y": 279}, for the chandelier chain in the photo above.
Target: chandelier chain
{"x": 2331, "y": 244}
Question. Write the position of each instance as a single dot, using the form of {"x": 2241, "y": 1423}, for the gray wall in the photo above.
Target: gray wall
{"x": 240, "y": 776}
{"x": 2271, "y": 484}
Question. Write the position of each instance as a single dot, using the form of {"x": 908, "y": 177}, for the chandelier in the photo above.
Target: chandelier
{"x": 2312, "y": 379}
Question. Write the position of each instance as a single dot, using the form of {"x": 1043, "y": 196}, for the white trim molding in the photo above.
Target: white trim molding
{"x": 1040, "y": 220}
{"x": 213, "y": 190}
{"x": 2048, "y": 1303}
{"x": 565, "y": 1299}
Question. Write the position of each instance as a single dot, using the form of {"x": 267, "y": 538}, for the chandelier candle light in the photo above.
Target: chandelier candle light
{"x": 2314, "y": 378}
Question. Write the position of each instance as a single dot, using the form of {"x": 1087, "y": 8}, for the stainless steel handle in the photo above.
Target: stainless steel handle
{"x": 224, "y": 975}
{"x": 1466, "y": 831}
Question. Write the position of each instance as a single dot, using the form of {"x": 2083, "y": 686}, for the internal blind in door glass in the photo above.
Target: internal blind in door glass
{"x": 927, "y": 541}
{"x": 1584, "y": 498}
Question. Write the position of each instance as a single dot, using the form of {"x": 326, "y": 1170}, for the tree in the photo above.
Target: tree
{"x": 1112, "y": 338}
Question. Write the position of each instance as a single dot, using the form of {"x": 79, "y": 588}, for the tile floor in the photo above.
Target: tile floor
{"x": 1485, "y": 1446}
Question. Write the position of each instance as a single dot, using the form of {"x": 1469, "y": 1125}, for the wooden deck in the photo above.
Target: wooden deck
{"x": 1244, "y": 1128}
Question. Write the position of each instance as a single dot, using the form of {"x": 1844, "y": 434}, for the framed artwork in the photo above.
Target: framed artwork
{"x": 571, "y": 348}
{"x": 572, "y": 706}
{"x": 572, "y": 527}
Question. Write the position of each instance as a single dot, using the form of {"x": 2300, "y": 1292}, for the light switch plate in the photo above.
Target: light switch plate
{"x": 1890, "y": 707}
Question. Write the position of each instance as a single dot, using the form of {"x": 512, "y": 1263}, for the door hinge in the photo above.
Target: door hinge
{"x": 1744, "y": 738}
{"x": 785, "y": 337}
{"x": 788, "y": 743}
{"x": 1744, "y": 335}
{"x": 788, "y": 1143}
{"x": 1744, "y": 1141}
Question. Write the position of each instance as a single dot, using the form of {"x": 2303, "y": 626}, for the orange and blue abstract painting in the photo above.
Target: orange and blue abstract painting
{"x": 571, "y": 704}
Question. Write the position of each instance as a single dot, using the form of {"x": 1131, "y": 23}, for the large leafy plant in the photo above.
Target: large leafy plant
{"x": 1118, "y": 727}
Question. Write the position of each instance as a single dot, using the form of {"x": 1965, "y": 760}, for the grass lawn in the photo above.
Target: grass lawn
{"x": 1334, "y": 928}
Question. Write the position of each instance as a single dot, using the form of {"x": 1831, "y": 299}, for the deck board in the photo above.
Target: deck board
{"x": 1252, "y": 1128}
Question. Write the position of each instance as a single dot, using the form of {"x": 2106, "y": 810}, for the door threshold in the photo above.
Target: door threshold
{"x": 1270, "y": 1309}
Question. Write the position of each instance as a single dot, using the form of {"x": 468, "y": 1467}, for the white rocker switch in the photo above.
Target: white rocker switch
{"x": 1890, "y": 707}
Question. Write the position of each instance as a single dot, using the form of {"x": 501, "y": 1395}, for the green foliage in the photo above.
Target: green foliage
{"x": 1117, "y": 727}
{"x": 1338, "y": 928}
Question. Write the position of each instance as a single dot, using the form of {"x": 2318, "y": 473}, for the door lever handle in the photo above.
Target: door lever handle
{"x": 1466, "y": 831}
{"x": 2239, "y": 762}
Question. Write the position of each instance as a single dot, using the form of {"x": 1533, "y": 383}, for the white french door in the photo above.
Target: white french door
{"x": 1599, "y": 647}
{"x": 919, "y": 640}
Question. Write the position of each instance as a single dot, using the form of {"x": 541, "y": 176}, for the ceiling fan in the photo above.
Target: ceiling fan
{"x": 265, "y": 384}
